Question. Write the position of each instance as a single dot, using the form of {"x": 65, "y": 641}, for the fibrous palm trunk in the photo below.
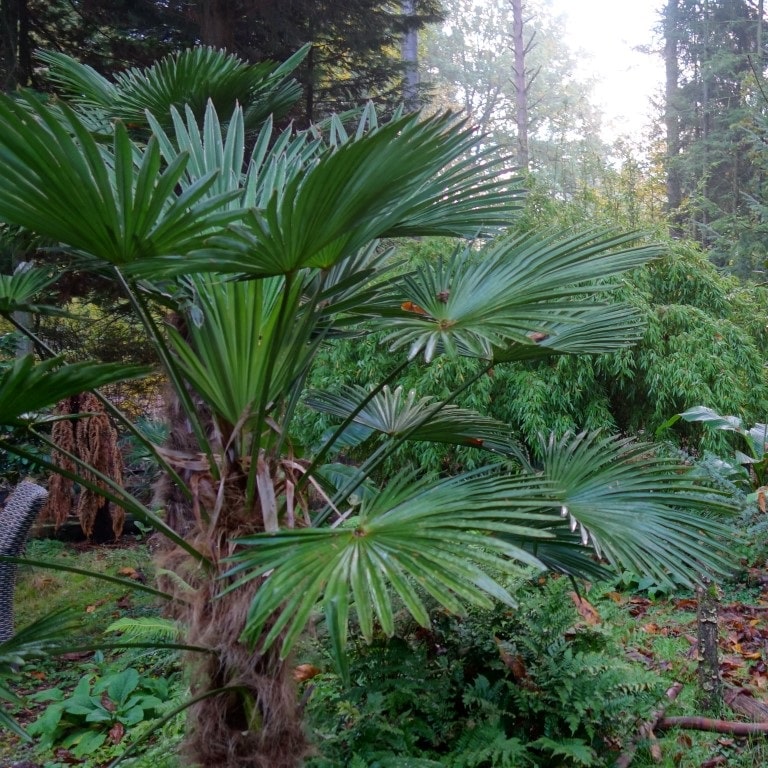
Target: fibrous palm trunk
{"x": 256, "y": 722}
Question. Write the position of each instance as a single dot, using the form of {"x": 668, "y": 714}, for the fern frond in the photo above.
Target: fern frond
{"x": 146, "y": 628}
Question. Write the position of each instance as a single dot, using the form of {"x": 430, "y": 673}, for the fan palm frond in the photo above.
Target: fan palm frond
{"x": 639, "y": 510}
{"x": 110, "y": 204}
{"x": 189, "y": 78}
{"x": 531, "y": 291}
{"x": 406, "y": 175}
{"x": 18, "y": 290}
{"x": 411, "y": 536}
{"x": 396, "y": 413}
{"x": 26, "y": 387}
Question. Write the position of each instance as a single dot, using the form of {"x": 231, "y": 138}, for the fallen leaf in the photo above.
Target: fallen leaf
{"x": 116, "y": 733}
{"x": 305, "y": 672}
{"x": 514, "y": 663}
{"x": 587, "y": 611}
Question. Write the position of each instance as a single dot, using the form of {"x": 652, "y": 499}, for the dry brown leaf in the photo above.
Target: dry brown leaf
{"x": 586, "y": 610}
{"x": 305, "y": 672}
{"x": 116, "y": 733}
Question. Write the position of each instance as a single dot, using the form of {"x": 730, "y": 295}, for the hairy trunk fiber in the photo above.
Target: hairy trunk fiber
{"x": 256, "y": 722}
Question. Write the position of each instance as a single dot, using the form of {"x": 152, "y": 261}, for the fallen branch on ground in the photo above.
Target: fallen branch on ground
{"x": 645, "y": 732}
{"x": 711, "y": 724}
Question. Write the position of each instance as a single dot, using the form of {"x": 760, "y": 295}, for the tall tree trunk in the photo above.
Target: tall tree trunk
{"x": 521, "y": 83}
{"x": 217, "y": 21}
{"x": 9, "y": 43}
{"x": 254, "y": 719}
{"x": 410, "y": 56}
{"x": 672, "y": 116}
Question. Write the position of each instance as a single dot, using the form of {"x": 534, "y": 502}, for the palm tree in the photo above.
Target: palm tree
{"x": 265, "y": 255}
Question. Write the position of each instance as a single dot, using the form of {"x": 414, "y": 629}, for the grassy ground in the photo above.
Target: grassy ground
{"x": 660, "y": 634}
{"x": 98, "y": 604}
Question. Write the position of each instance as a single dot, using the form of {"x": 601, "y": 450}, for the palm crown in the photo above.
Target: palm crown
{"x": 267, "y": 253}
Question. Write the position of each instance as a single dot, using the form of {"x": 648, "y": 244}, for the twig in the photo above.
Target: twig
{"x": 645, "y": 731}
{"x": 711, "y": 724}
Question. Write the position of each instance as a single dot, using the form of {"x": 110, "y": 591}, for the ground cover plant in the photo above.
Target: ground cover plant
{"x": 82, "y": 706}
{"x": 261, "y": 247}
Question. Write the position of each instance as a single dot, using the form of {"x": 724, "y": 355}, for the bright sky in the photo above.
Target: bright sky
{"x": 608, "y": 31}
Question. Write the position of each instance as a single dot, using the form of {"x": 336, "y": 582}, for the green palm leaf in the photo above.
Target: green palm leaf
{"x": 26, "y": 387}
{"x": 530, "y": 291}
{"x": 638, "y": 510}
{"x": 405, "y": 176}
{"x": 248, "y": 345}
{"x": 395, "y": 413}
{"x": 189, "y": 78}
{"x": 17, "y": 291}
{"x": 112, "y": 204}
{"x": 411, "y": 537}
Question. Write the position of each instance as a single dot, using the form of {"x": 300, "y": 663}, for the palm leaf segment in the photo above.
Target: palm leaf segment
{"x": 189, "y": 79}
{"x": 395, "y": 413}
{"x": 36, "y": 640}
{"x": 18, "y": 290}
{"x": 26, "y": 387}
{"x": 113, "y": 204}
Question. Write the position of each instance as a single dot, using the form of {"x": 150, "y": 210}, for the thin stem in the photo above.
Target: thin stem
{"x": 53, "y": 566}
{"x": 323, "y": 452}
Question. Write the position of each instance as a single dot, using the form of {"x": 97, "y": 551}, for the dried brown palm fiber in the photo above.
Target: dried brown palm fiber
{"x": 96, "y": 444}
{"x": 260, "y": 724}
{"x": 180, "y": 513}
{"x": 219, "y": 731}
{"x": 60, "y": 488}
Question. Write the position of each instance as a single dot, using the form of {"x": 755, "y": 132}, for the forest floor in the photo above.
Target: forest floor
{"x": 658, "y": 632}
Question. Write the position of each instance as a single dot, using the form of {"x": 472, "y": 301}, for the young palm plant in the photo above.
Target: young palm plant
{"x": 264, "y": 247}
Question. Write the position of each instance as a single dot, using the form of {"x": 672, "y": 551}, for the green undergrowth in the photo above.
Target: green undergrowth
{"x": 87, "y": 707}
{"x": 558, "y": 682}
{"x": 563, "y": 680}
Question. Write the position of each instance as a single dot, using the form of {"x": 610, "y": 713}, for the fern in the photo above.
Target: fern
{"x": 575, "y": 751}
{"x": 487, "y": 746}
{"x": 146, "y": 629}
